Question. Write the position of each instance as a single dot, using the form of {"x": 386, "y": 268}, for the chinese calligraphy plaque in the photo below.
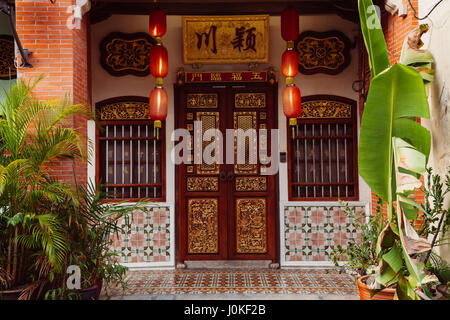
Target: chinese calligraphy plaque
{"x": 225, "y": 39}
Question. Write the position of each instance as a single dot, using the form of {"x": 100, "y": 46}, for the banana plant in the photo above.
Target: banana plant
{"x": 394, "y": 149}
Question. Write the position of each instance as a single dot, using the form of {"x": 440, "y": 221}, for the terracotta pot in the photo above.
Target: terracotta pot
{"x": 364, "y": 291}
{"x": 91, "y": 293}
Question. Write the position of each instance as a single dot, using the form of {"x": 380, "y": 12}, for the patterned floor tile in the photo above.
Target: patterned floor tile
{"x": 301, "y": 281}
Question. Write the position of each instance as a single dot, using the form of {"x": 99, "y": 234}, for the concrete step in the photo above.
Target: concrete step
{"x": 228, "y": 264}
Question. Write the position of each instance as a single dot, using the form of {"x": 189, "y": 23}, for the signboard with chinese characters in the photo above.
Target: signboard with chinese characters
{"x": 225, "y": 39}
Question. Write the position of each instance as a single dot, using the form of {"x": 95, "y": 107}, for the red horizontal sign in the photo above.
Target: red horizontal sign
{"x": 226, "y": 76}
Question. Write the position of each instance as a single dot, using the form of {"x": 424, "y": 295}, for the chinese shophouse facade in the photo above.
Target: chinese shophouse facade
{"x": 224, "y": 70}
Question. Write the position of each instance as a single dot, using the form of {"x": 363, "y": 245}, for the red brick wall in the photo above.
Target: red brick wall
{"x": 60, "y": 53}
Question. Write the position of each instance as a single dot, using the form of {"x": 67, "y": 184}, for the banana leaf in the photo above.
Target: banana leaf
{"x": 373, "y": 37}
{"x": 396, "y": 98}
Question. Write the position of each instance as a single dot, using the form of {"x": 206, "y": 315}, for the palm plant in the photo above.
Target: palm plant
{"x": 33, "y": 135}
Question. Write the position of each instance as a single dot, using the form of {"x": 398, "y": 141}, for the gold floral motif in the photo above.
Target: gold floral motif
{"x": 250, "y": 100}
{"x": 124, "y": 111}
{"x": 251, "y": 225}
{"x": 202, "y": 100}
{"x": 251, "y": 184}
{"x": 326, "y": 109}
{"x": 203, "y": 226}
{"x": 202, "y": 184}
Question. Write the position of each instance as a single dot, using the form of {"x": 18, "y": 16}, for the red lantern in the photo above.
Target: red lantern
{"x": 158, "y": 107}
{"x": 159, "y": 61}
{"x": 158, "y": 23}
{"x": 289, "y": 66}
{"x": 292, "y": 103}
{"x": 158, "y": 104}
{"x": 289, "y": 24}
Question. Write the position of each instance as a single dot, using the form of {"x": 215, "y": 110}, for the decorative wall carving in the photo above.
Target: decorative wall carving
{"x": 203, "y": 100}
{"x": 126, "y": 53}
{"x": 250, "y": 100}
{"x": 251, "y": 183}
{"x": 7, "y": 67}
{"x": 127, "y": 110}
{"x": 322, "y": 52}
{"x": 203, "y": 225}
{"x": 202, "y": 184}
{"x": 326, "y": 109}
{"x": 251, "y": 224}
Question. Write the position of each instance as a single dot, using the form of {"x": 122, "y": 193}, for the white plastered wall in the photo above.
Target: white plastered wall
{"x": 437, "y": 41}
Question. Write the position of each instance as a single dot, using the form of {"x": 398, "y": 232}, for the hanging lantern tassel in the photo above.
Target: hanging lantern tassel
{"x": 158, "y": 107}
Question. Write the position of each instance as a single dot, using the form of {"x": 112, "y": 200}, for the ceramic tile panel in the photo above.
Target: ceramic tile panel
{"x": 145, "y": 237}
{"x": 312, "y": 232}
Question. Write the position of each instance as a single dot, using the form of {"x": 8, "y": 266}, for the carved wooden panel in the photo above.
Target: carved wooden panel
{"x": 7, "y": 68}
{"x": 209, "y": 120}
{"x": 322, "y": 52}
{"x": 202, "y": 100}
{"x": 326, "y": 109}
{"x": 251, "y": 223}
{"x": 127, "y": 110}
{"x": 250, "y": 100}
{"x": 202, "y": 184}
{"x": 126, "y": 53}
{"x": 245, "y": 120}
{"x": 203, "y": 236}
{"x": 251, "y": 183}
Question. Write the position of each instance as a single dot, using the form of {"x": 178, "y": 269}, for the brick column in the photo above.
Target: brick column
{"x": 61, "y": 54}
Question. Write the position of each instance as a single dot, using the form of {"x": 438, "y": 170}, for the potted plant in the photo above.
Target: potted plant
{"x": 359, "y": 255}
{"x": 90, "y": 221}
{"x": 393, "y": 152}
{"x": 32, "y": 239}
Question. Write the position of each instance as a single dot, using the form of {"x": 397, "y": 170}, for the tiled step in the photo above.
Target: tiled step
{"x": 228, "y": 264}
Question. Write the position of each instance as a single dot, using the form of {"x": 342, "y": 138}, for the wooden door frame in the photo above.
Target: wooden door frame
{"x": 179, "y": 184}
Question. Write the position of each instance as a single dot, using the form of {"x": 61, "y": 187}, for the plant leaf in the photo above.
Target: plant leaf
{"x": 395, "y": 96}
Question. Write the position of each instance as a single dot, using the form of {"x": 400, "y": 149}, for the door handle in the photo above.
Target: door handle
{"x": 222, "y": 176}
{"x": 230, "y": 176}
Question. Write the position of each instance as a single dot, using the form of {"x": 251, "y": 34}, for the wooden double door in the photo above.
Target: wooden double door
{"x": 226, "y": 209}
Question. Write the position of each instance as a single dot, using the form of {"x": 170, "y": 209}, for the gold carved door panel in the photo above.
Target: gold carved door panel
{"x": 227, "y": 209}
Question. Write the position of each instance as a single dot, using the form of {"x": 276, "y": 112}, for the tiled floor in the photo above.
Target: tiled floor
{"x": 299, "y": 282}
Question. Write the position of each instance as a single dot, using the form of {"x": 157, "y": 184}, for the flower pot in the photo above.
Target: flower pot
{"x": 91, "y": 293}
{"x": 364, "y": 291}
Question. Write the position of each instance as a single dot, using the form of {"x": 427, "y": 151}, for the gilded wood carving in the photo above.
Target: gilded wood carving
{"x": 245, "y": 120}
{"x": 326, "y": 109}
{"x": 128, "y": 110}
{"x": 202, "y": 100}
{"x": 251, "y": 223}
{"x": 250, "y": 100}
{"x": 202, "y": 184}
{"x": 322, "y": 52}
{"x": 7, "y": 67}
{"x": 225, "y": 39}
{"x": 251, "y": 184}
{"x": 126, "y": 53}
{"x": 203, "y": 225}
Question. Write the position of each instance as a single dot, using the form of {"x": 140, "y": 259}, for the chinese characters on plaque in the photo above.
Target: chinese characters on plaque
{"x": 225, "y": 39}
